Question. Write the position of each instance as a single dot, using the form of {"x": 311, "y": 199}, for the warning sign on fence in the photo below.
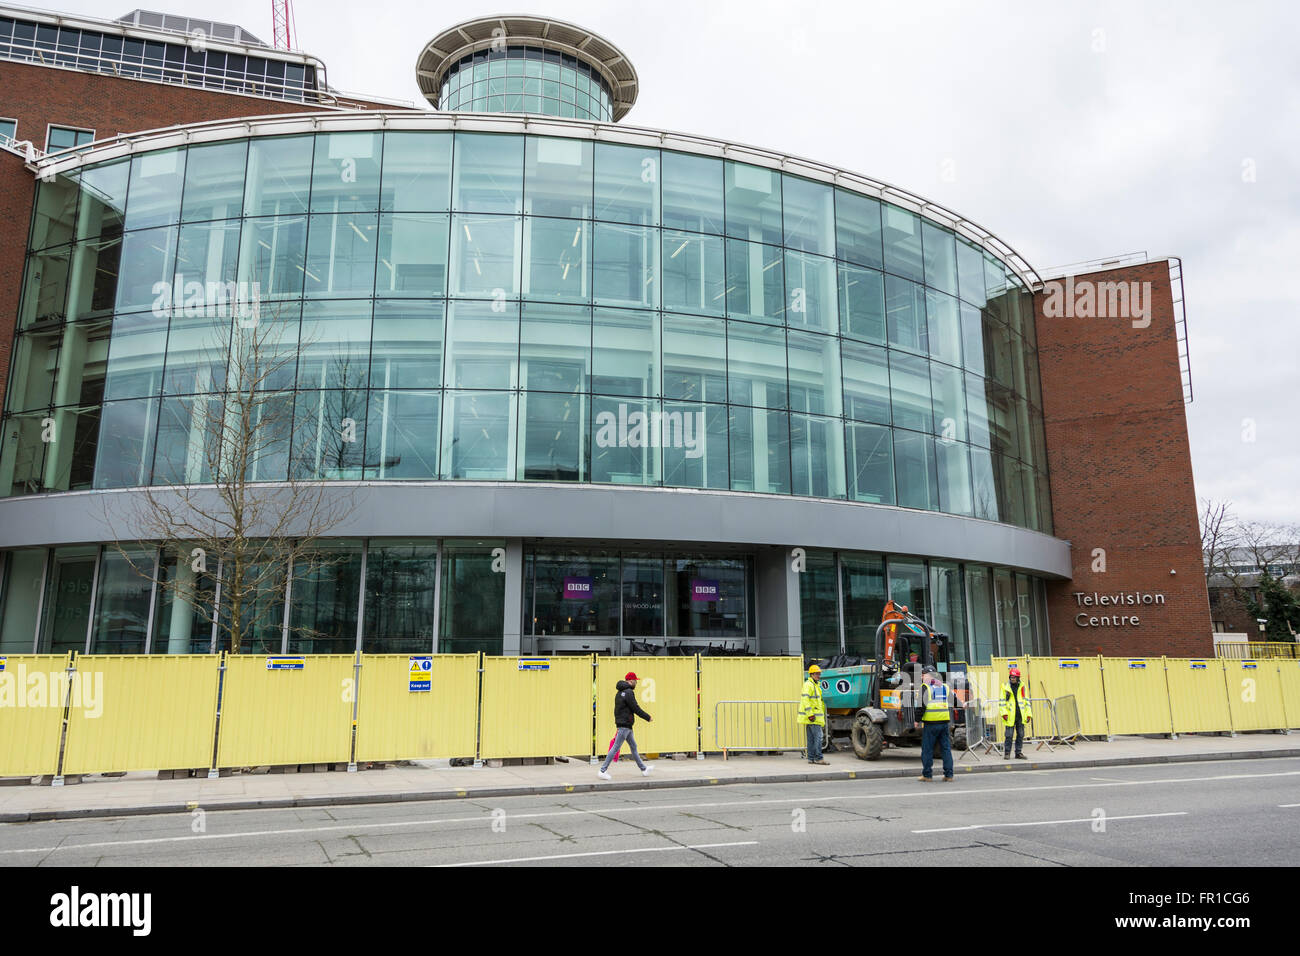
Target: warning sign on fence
{"x": 421, "y": 677}
{"x": 285, "y": 663}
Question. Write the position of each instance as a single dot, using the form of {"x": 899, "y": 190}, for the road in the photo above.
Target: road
{"x": 1232, "y": 812}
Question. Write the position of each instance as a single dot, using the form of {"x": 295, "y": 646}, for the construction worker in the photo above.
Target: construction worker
{"x": 812, "y": 714}
{"x": 935, "y": 714}
{"x": 1014, "y": 711}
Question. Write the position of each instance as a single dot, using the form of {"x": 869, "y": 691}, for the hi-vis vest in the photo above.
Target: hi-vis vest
{"x": 937, "y": 703}
{"x": 1007, "y": 708}
{"x": 811, "y": 708}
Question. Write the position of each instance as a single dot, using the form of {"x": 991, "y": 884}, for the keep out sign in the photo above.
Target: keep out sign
{"x": 703, "y": 589}
{"x": 577, "y": 589}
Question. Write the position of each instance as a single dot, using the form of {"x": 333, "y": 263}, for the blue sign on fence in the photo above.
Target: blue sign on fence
{"x": 2, "y": 663}
{"x": 1069, "y": 665}
{"x": 534, "y": 664}
{"x": 1248, "y": 665}
{"x": 1137, "y": 665}
{"x": 285, "y": 663}
{"x": 1198, "y": 665}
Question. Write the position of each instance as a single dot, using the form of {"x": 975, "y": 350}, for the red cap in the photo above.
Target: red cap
{"x": 1014, "y": 672}
{"x": 629, "y": 676}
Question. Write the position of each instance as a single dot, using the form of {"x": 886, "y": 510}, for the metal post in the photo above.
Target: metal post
{"x": 437, "y": 601}
{"x": 356, "y": 657}
{"x": 153, "y": 601}
{"x": 94, "y": 595}
{"x": 216, "y": 605}
{"x": 40, "y": 602}
{"x": 288, "y": 603}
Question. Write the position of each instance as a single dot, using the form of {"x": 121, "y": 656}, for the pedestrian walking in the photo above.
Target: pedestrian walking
{"x": 812, "y": 714}
{"x": 1014, "y": 711}
{"x": 626, "y": 711}
{"x": 935, "y": 715}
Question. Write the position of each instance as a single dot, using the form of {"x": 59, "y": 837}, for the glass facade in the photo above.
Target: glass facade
{"x": 526, "y": 79}
{"x": 507, "y": 307}
{"x": 839, "y": 613}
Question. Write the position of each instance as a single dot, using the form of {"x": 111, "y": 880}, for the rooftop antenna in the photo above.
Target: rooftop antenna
{"x": 282, "y": 24}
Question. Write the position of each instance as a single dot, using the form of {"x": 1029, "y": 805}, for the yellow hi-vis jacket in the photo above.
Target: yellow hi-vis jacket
{"x": 1007, "y": 706}
{"x": 812, "y": 710}
{"x": 937, "y": 699}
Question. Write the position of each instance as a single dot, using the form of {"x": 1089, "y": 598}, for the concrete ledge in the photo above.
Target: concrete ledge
{"x": 415, "y": 796}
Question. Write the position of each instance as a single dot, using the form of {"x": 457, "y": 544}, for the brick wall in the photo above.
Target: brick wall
{"x": 1121, "y": 473}
{"x": 38, "y": 95}
{"x": 17, "y": 187}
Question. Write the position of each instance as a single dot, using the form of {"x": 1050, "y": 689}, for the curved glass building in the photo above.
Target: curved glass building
{"x": 588, "y": 386}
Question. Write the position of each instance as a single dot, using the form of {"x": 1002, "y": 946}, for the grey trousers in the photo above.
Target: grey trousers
{"x": 624, "y": 733}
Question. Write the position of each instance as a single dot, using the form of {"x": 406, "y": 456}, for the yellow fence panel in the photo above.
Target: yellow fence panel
{"x": 543, "y": 712}
{"x": 1137, "y": 695}
{"x": 1003, "y": 664}
{"x": 439, "y": 718}
{"x": 1289, "y": 678}
{"x": 1198, "y": 698}
{"x": 1255, "y": 695}
{"x": 751, "y": 679}
{"x": 983, "y": 680}
{"x": 142, "y": 712}
{"x": 1081, "y": 676}
{"x": 666, "y": 689}
{"x": 286, "y": 716}
{"x": 33, "y": 689}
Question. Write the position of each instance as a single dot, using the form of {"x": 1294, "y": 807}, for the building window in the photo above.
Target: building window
{"x": 66, "y": 137}
{"x": 8, "y": 130}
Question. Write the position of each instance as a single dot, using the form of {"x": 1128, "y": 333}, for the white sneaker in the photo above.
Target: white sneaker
{"x": 646, "y": 771}
{"x": 603, "y": 775}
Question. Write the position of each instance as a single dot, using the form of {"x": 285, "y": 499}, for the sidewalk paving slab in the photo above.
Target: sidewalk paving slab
{"x": 144, "y": 793}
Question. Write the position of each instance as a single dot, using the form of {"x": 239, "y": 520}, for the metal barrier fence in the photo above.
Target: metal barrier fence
{"x": 101, "y": 713}
{"x": 667, "y": 689}
{"x": 757, "y": 725}
{"x": 34, "y": 690}
{"x": 1258, "y": 650}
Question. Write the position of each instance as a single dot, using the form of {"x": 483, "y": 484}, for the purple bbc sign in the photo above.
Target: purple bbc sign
{"x": 703, "y": 589}
{"x": 577, "y": 589}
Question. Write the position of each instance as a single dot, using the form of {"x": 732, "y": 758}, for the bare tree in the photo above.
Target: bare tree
{"x": 245, "y": 508}
{"x": 1218, "y": 536}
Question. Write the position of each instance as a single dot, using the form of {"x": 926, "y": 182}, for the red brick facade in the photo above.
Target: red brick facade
{"x": 1121, "y": 472}
{"x": 38, "y": 95}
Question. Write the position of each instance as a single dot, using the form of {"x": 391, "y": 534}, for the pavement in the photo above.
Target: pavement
{"x": 1236, "y": 812}
{"x": 144, "y": 793}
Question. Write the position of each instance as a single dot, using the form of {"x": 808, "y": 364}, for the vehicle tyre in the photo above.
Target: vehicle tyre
{"x": 868, "y": 740}
{"x": 959, "y": 741}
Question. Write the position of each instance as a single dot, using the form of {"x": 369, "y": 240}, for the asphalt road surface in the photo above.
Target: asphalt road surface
{"x": 1232, "y": 812}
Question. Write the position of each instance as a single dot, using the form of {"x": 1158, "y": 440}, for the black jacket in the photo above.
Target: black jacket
{"x": 626, "y": 709}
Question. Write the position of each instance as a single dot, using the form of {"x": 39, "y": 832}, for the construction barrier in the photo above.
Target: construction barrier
{"x": 773, "y": 680}
{"x": 1289, "y": 678}
{"x": 142, "y": 712}
{"x": 983, "y": 680}
{"x": 1258, "y": 650}
{"x": 667, "y": 689}
{"x": 1069, "y": 725}
{"x": 1003, "y": 664}
{"x": 33, "y": 692}
{"x": 1137, "y": 695}
{"x": 1254, "y": 695}
{"x": 286, "y": 710}
{"x": 1198, "y": 698}
{"x": 417, "y": 707}
{"x": 536, "y": 707}
{"x": 1078, "y": 676}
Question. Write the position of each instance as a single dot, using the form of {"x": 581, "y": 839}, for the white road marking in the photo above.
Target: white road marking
{"x": 1048, "y": 823}
{"x": 570, "y": 856}
{"x": 1284, "y": 805}
{"x": 652, "y": 808}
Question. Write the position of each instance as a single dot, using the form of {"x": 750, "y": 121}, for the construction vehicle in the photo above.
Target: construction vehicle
{"x": 876, "y": 704}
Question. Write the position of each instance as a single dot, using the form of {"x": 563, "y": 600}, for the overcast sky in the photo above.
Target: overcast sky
{"x": 1073, "y": 131}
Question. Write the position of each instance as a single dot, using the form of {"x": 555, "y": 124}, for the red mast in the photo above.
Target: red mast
{"x": 282, "y": 24}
